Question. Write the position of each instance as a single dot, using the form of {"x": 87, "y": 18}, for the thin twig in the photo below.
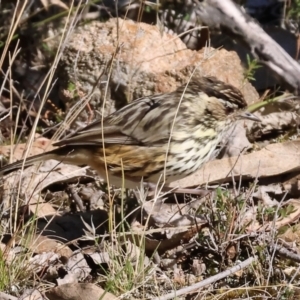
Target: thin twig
{"x": 282, "y": 251}
{"x": 76, "y": 198}
{"x": 208, "y": 281}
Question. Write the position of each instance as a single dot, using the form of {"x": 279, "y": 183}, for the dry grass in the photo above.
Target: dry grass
{"x": 128, "y": 272}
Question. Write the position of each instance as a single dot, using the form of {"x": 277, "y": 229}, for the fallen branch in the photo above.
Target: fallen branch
{"x": 208, "y": 281}
{"x": 227, "y": 16}
{"x": 282, "y": 251}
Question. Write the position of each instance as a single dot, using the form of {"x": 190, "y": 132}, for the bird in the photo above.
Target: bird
{"x": 163, "y": 137}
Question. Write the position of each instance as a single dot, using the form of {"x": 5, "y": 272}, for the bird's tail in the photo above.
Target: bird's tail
{"x": 57, "y": 154}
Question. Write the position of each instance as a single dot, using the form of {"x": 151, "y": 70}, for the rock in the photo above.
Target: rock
{"x": 137, "y": 60}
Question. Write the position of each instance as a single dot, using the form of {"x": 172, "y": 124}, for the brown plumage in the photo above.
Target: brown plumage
{"x": 167, "y": 136}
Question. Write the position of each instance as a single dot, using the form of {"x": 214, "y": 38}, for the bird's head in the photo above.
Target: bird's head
{"x": 222, "y": 101}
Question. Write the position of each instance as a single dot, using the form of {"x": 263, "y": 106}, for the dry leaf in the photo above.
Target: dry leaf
{"x": 263, "y": 193}
{"x": 30, "y": 294}
{"x": 39, "y": 146}
{"x": 33, "y": 183}
{"x": 41, "y": 261}
{"x": 59, "y": 3}
{"x": 274, "y": 159}
{"x": 198, "y": 267}
{"x": 280, "y": 222}
{"x": 274, "y": 122}
{"x": 44, "y": 244}
{"x": 78, "y": 266}
{"x": 79, "y": 291}
{"x": 47, "y": 3}
{"x": 291, "y": 235}
{"x": 178, "y": 277}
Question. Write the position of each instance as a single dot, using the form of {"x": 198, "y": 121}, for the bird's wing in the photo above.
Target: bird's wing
{"x": 143, "y": 121}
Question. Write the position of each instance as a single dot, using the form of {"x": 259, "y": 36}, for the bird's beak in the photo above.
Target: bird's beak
{"x": 249, "y": 116}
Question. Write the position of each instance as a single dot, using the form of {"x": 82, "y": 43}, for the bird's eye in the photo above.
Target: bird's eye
{"x": 228, "y": 109}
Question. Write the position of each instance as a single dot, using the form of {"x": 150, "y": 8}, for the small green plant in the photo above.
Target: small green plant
{"x": 4, "y": 278}
{"x": 265, "y": 214}
{"x": 15, "y": 271}
{"x": 293, "y": 10}
{"x": 187, "y": 17}
{"x": 285, "y": 211}
{"x": 288, "y": 293}
{"x": 127, "y": 268}
{"x": 252, "y": 66}
{"x": 71, "y": 87}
